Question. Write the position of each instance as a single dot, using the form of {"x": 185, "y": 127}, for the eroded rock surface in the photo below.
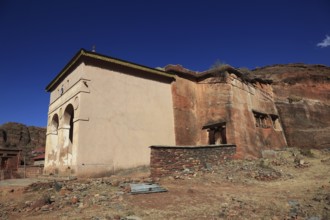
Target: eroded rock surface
{"x": 302, "y": 97}
{"x": 27, "y": 138}
{"x": 19, "y": 135}
{"x": 225, "y": 106}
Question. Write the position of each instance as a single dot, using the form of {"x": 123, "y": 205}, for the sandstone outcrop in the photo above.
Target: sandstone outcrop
{"x": 225, "y": 106}
{"x": 26, "y": 138}
{"x": 302, "y": 97}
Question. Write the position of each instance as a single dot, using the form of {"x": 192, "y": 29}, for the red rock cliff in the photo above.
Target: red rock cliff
{"x": 220, "y": 106}
{"x": 27, "y": 138}
{"x": 302, "y": 97}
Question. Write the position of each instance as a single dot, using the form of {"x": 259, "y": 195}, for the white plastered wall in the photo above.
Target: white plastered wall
{"x": 61, "y": 153}
{"x": 127, "y": 114}
{"x": 117, "y": 117}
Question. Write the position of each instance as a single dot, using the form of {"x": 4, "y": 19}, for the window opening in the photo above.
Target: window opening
{"x": 263, "y": 120}
{"x": 4, "y": 163}
{"x": 4, "y": 135}
{"x": 216, "y": 133}
{"x": 275, "y": 121}
{"x": 62, "y": 90}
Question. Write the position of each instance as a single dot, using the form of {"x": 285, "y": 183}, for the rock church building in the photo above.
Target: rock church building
{"x": 105, "y": 113}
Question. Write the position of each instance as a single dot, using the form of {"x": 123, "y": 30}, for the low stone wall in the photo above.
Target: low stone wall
{"x": 30, "y": 171}
{"x": 6, "y": 174}
{"x": 168, "y": 160}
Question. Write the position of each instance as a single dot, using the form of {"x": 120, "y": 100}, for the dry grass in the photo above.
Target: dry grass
{"x": 231, "y": 191}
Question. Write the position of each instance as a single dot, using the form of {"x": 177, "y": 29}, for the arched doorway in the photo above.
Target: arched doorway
{"x": 67, "y": 137}
{"x": 54, "y": 124}
{"x": 68, "y": 121}
{"x": 52, "y": 148}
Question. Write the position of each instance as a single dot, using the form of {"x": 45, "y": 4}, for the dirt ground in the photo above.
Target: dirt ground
{"x": 292, "y": 184}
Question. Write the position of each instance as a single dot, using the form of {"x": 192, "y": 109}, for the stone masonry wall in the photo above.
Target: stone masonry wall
{"x": 30, "y": 171}
{"x": 168, "y": 160}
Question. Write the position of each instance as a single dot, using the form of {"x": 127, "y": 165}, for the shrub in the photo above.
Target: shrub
{"x": 294, "y": 98}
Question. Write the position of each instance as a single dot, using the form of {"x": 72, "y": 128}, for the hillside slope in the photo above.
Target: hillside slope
{"x": 27, "y": 138}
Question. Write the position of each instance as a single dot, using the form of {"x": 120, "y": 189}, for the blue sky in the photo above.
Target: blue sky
{"x": 39, "y": 37}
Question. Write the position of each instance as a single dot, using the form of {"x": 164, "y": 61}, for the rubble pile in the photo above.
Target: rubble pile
{"x": 227, "y": 191}
{"x": 74, "y": 195}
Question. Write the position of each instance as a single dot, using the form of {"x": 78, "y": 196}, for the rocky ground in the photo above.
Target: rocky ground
{"x": 290, "y": 184}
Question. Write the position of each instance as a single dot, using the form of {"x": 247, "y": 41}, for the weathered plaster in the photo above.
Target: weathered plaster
{"x": 117, "y": 116}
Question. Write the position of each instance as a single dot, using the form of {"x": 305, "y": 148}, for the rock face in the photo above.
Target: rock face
{"x": 302, "y": 97}
{"x": 219, "y": 106}
{"x": 27, "y": 138}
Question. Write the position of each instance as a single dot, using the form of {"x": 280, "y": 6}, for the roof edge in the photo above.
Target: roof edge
{"x": 182, "y": 71}
{"x": 73, "y": 60}
{"x": 84, "y": 53}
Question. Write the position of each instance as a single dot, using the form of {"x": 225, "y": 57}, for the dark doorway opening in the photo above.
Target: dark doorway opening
{"x": 69, "y": 116}
{"x": 4, "y": 162}
{"x": 216, "y": 133}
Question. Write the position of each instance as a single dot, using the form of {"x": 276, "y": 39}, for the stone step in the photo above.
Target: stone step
{"x": 56, "y": 177}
